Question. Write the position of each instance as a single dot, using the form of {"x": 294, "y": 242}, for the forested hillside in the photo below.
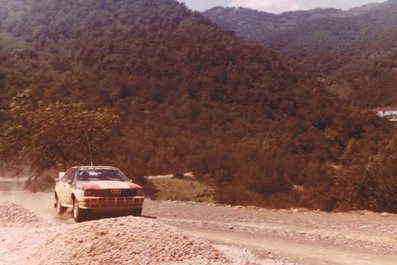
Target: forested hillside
{"x": 180, "y": 95}
{"x": 353, "y": 52}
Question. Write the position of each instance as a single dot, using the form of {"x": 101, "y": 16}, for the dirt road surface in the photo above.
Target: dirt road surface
{"x": 294, "y": 236}
{"x": 298, "y": 235}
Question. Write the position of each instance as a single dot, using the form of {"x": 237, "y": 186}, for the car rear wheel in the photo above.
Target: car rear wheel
{"x": 79, "y": 215}
{"x": 60, "y": 209}
{"x": 136, "y": 212}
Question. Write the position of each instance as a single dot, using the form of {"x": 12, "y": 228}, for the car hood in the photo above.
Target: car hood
{"x": 105, "y": 184}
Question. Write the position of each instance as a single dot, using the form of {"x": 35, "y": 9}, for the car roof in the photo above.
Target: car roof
{"x": 95, "y": 167}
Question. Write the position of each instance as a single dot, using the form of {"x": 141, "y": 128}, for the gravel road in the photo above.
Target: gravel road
{"x": 196, "y": 234}
{"x": 298, "y": 235}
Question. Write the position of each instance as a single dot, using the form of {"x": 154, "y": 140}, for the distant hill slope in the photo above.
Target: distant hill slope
{"x": 341, "y": 47}
{"x": 190, "y": 96}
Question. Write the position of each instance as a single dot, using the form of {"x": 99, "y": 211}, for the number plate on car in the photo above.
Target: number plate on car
{"x": 115, "y": 191}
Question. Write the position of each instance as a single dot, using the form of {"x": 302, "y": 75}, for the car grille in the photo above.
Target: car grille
{"x": 111, "y": 193}
{"x": 112, "y": 202}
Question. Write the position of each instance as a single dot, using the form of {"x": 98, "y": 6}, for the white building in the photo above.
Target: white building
{"x": 387, "y": 112}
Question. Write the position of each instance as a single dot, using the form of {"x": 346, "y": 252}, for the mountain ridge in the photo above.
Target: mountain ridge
{"x": 333, "y": 45}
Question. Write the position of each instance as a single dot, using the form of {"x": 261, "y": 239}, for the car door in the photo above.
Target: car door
{"x": 60, "y": 188}
{"x": 64, "y": 187}
{"x": 69, "y": 186}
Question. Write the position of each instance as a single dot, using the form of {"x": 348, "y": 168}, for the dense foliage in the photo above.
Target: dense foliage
{"x": 189, "y": 96}
{"x": 353, "y": 52}
{"x": 45, "y": 136}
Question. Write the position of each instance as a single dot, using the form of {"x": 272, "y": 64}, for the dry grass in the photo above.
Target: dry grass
{"x": 183, "y": 190}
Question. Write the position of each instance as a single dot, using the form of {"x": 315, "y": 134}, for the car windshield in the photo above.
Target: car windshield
{"x": 101, "y": 174}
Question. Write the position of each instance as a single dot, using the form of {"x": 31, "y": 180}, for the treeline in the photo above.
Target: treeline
{"x": 352, "y": 52}
{"x": 187, "y": 96}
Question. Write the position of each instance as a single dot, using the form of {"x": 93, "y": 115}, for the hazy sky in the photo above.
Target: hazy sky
{"x": 277, "y": 6}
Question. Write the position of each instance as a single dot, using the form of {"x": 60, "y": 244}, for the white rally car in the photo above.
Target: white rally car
{"x": 92, "y": 189}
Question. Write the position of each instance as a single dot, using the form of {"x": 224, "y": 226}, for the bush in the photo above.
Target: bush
{"x": 374, "y": 188}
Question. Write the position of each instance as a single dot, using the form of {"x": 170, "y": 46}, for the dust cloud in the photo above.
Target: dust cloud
{"x": 41, "y": 203}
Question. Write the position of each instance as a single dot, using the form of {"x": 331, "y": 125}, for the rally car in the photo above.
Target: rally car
{"x": 99, "y": 189}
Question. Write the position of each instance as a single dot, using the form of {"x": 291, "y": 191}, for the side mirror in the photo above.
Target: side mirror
{"x": 70, "y": 181}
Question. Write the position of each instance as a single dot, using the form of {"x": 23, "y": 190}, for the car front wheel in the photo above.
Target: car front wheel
{"x": 79, "y": 215}
{"x": 136, "y": 212}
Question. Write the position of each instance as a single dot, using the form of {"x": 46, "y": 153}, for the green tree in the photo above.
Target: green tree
{"x": 48, "y": 136}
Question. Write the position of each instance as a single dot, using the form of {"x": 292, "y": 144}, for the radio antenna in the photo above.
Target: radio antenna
{"x": 89, "y": 146}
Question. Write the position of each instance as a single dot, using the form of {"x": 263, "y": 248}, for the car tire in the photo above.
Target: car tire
{"x": 136, "y": 212}
{"x": 79, "y": 215}
{"x": 60, "y": 209}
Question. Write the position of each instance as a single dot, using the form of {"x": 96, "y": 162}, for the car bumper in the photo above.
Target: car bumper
{"x": 111, "y": 204}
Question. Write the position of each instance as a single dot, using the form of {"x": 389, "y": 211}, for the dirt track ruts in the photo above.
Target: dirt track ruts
{"x": 307, "y": 237}
{"x": 295, "y": 236}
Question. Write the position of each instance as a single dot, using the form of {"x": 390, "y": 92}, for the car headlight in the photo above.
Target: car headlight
{"x": 140, "y": 193}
